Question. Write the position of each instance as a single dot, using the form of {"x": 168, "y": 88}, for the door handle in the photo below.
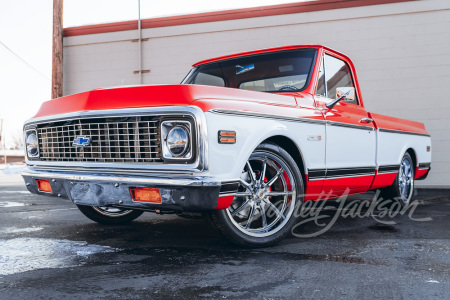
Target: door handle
{"x": 366, "y": 120}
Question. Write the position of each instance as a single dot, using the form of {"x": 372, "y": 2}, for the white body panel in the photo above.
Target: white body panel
{"x": 227, "y": 161}
{"x": 392, "y": 147}
{"x": 350, "y": 147}
{"x": 339, "y": 147}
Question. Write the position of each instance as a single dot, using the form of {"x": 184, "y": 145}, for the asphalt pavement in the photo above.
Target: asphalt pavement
{"x": 49, "y": 250}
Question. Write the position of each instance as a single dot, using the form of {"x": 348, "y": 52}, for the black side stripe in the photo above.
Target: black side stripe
{"x": 316, "y": 174}
{"x": 423, "y": 166}
{"x": 267, "y": 116}
{"x": 229, "y": 187}
{"x": 362, "y": 127}
{"x": 402, "y": 132}
{"x": 319, "y": 174}
{"x": 388, "y": 169}
{"x": 350, "y": 172}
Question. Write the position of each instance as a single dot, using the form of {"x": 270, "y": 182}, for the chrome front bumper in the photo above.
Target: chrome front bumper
{"x": 178, "y": 193}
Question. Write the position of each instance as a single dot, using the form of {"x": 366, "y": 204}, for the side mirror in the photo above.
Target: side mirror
{"x": 349, "y": 93}
{"x": 342, "y": 93}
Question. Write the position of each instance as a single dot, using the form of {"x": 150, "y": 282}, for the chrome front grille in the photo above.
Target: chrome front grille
{"x": 115, "y": 139}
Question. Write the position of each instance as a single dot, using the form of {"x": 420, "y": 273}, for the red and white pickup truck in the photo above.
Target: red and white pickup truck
{"x": 245, "y": 138}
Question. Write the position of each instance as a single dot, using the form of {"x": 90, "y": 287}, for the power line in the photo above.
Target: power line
{"x": 24, "y": 61}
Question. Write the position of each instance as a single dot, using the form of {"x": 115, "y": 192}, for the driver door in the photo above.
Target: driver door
{"x": 350, "y": 134}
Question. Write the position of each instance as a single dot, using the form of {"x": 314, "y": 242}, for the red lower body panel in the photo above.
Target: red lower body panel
{"x": 420, "y": 173}
{"x": 224, "y": 202}
{"x": 351, "y": 184}
{"x": 383, "y": 180}
{"x": 313, "y": 189}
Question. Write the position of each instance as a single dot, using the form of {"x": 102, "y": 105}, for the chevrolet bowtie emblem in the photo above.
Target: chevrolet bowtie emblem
{"x": 82, "y": 141}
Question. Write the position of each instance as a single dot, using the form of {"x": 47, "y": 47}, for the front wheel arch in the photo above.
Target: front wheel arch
{"x": 284, "y": 218}
{"x": 413, "y": 155}
{"x": 294, "y": 151}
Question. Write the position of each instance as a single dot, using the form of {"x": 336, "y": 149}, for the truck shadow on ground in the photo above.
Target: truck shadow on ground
{"x": 427, "y": 221}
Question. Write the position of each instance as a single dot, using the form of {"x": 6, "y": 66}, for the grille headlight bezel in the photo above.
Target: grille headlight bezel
{"x": 198, "y": 162}
{"x": 169, "y": 131}
{"x": 32, "y": 144}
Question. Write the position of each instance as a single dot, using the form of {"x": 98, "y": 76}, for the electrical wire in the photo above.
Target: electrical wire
{"x": 23, "y": 60}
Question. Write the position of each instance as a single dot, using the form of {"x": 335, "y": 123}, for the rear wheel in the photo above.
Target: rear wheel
{"x": 403, "y": 187}
{"x": 262, "y": 212}
{"x": 109, "y": 215}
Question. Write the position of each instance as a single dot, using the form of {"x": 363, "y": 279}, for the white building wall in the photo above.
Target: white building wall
{"x": 401, "y": 52}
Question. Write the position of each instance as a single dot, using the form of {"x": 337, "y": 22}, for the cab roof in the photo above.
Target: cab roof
{"x": 267, "y": 50}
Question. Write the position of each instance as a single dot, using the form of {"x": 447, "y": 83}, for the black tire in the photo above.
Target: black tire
{"x": 226, "y": 220}
{"x": 394, "y": 192}
{"x": 103, "y": 216}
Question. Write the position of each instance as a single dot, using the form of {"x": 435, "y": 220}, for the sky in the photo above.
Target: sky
{"x": 26, "y": 49}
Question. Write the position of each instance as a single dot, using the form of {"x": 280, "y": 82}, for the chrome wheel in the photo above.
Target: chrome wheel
{"x": 406, "y": 180}
{"x": 109, "y": 215}
{"x": 112, "y": 211}
{"x": 266, "y": 196}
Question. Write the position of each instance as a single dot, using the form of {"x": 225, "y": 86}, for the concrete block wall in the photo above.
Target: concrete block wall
{"x": 401, "y": 52}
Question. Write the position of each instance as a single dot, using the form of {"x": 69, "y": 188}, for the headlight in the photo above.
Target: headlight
{"x": 176, "y": 139}
{"x": 32, "y": 144}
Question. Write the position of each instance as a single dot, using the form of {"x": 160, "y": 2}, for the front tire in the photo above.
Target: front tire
{"x": 263, "y": 210}
{"x": 403, "y": 187}
{"x": 109, "y": 215}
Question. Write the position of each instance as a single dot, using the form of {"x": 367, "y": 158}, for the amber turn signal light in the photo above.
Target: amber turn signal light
{"x": 145, "y": 194}
{"x": 227, "y": 137}
{"x": 44, "y": 185}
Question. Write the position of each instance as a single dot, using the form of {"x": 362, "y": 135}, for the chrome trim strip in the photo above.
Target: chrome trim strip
{"x": 120, "y": 112}
{"x": 402, "y": 132}
{"x": 173, "y": 181}
{"x": 347, "y": 125}
{"x": 226, "y": 195}
{"x": 290, "y": 119}
{"x": 350, "y": 176}
{"x": 199, "y": 165}
{"x": 266, "y": 116}
{"x": 129, "y": 169}
{"x": 316, "y": 179}
{"x": 387, "y": 172}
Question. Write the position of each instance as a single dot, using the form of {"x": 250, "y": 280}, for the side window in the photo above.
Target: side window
{"x": 321, "y": 83}
{"x": 207, "y": 79}
{"x": 339, "y": 79}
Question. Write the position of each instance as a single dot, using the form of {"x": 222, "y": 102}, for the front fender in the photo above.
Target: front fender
{"x": 228, "y": 160}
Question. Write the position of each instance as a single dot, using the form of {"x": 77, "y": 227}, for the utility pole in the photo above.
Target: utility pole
{"x": 140, "y": 41}
{"x": 57, "y": 59}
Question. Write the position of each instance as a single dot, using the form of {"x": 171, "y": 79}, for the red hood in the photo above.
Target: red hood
{"x": 154, "y": 95}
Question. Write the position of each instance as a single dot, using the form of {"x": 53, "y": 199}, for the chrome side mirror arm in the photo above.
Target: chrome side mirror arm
{"x": 331, "y": 104}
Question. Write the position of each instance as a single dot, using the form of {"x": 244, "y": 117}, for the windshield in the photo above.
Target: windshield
{"x": 285, "y": 71}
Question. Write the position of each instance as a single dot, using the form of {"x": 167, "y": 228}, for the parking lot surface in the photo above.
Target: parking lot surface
{"x": 48, "y": 249}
